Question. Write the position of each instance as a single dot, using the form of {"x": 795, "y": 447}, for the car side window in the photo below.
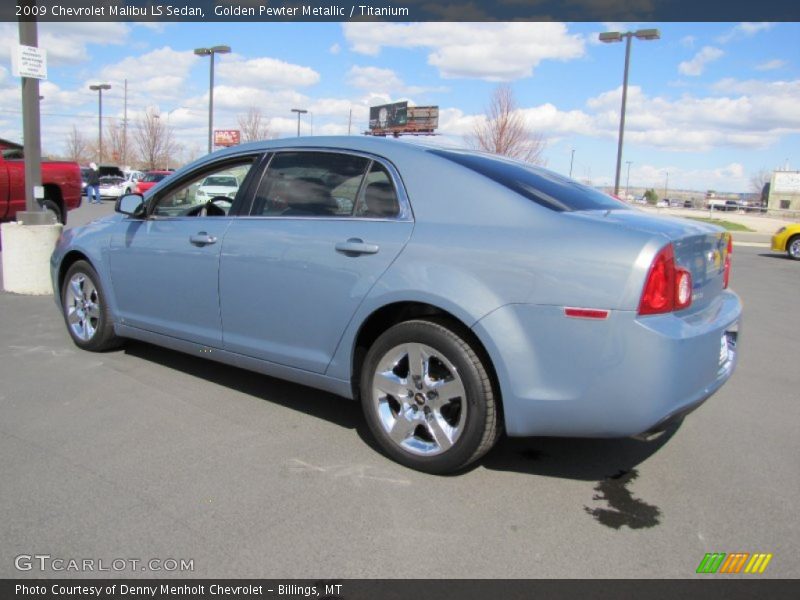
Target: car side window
{"x": 378, "y": 198}
{"x": 310, "y": 184}
{"x": 210, "y": 193}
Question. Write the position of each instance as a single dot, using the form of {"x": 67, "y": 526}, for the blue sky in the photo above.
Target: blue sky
{"x": 710, "y": 103}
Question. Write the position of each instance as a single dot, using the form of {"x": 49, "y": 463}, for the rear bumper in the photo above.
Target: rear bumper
{"x": 618, "y": 377}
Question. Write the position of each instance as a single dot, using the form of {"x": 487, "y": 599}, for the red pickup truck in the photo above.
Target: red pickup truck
{"x": 61, "y": 181}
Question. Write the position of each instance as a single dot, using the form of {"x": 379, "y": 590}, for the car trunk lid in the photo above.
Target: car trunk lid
{"x": 701, "y": 248}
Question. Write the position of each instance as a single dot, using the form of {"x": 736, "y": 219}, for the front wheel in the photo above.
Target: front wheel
{"x": 428, "y": 398}
{"x": 793, "y": 247}
{"x": 86, "y": 310}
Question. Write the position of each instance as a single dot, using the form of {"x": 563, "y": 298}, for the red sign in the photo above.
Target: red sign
{"x": 227, "y": 137}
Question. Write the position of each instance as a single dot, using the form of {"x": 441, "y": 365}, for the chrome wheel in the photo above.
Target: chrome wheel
{"x": 419, "y": 398}
{"x": 82, "y": 307}
{"x": 794, "y": 248}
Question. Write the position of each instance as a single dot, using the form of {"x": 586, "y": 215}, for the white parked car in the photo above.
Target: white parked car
{"x": 216, "y": 186}
{"x": 112, "y": 186}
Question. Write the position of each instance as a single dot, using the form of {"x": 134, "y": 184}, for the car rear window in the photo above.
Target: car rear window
{"x": 153, "y": 177}
{"x": 543, "y": 187}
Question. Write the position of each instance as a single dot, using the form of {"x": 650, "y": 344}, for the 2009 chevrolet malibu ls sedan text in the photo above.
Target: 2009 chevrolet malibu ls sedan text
{"x": 454, "y": 293}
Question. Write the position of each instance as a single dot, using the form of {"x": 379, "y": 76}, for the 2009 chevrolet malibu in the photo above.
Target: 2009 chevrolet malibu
{"x": 454, "y": 294}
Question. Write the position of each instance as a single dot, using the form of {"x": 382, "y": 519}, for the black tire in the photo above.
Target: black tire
{"x": 422, "y": 420}
{"x": 53, "y": 207}
{"x": 85, "y": 309}
{"x": 793, "y": 247}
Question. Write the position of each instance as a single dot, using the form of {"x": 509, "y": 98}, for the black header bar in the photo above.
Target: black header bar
{"x": 640, "y": 11}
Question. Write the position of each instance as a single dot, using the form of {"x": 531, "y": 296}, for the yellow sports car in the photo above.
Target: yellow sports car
{"x": 787, "y": 239}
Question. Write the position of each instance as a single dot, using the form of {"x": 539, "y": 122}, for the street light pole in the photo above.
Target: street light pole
{"x": 210, "y": 52}
{"x": 628, "y": 178}
{"x": 666, "y": 184}
{"x": 299, "y": 112}
{"x": 571, "y": 160}
{"x": 616, "y": 36}
{"x": 99, "y": 89}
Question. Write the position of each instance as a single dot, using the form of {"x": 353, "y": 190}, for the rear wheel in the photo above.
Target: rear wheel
{"x": 427, "y": 397}
{"x": 52, "y": 207}
{"x": 793, "y": 247}
{"x": 85, "y": 309}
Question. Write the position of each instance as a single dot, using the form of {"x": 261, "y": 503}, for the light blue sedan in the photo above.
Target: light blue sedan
{"x": 454, "y": 294}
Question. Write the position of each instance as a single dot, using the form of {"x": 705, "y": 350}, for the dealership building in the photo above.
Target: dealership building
{"x": 784, "y": 191}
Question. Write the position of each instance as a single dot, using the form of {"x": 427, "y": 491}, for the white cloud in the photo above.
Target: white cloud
{"x": 771, "y": 65}
{"x": 744, "y": 30}
{"x": 370, "y": 78}
{"x": 688, "y": 41}
{"x": 383, "y": 81}
{"x": 697, "y": 65}
{"x": 159, "y": 74}
{"x": 731, "y": 176}
{"x": 489, "y": 51}
{"x": 241, "y": 98}
{"x": 741, "y": 114}
{"x": 335, "y": 49}
{"x": 264, "y": 71}
{"x": 751, "y": 114}
{"x": 66, "y": 43}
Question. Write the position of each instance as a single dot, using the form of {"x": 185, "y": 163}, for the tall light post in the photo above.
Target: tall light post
{"x": 571, "y": 160}
{"x": 628, "y": 178}
{"x": 666, "y": 184}
{"x": 99, "y": 89}
{"x": 299, "y": 111}
{"x": 210, "y": 52}
{"x": 617, "y": 36}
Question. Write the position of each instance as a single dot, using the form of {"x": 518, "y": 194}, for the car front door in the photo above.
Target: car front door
{"x": 323, "y": 228}
{"x": 165, "y": 267}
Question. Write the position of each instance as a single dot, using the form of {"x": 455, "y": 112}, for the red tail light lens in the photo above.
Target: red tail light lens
{"x": 726, "y": 274}
{"x": 668, "y": 287}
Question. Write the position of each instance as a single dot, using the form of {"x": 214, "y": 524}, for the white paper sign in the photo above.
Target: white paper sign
{"x": 29, "y": 61}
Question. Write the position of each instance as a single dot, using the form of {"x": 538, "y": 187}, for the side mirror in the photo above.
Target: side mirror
{"x": 131, "y": 205}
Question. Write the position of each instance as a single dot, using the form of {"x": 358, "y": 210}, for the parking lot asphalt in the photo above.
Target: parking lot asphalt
{"x": 145, "y": 453}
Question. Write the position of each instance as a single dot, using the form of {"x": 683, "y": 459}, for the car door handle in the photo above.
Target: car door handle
{"x": 356, "y": 246}
{"x": 202, "y": 239}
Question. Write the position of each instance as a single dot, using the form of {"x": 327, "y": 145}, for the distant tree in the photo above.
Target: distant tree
{"x": 651, "y": 196}
{"x": 120, "y": 144}
{"x": 154, "y": 141}
{"x": 758, "y": 179}
{"x": 504, "y": 131}
{"x": 759, "y": 185}
{"x": 252, "y": 125}
{"x": 77, "y": 147}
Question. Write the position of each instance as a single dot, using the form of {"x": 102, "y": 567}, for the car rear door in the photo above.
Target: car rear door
{"x": 323, "y": 228}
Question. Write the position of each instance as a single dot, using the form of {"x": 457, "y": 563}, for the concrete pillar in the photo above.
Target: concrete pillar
{"x": 26, "y": 257}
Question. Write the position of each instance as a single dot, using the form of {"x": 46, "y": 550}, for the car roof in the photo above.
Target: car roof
{"x": 374, "y": 145}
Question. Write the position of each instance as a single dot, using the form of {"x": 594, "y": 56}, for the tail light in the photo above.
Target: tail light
{"x": 668, "y": 287}
{"x": 726, "y": 274}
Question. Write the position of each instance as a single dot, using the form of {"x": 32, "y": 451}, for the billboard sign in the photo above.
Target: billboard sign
{"x": 388, "y": 116}
{"x": 423, "y": 118}
{"x": 227, "y": 137}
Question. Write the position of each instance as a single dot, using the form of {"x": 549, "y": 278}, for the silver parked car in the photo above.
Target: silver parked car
{"x": 454, "y": 294}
